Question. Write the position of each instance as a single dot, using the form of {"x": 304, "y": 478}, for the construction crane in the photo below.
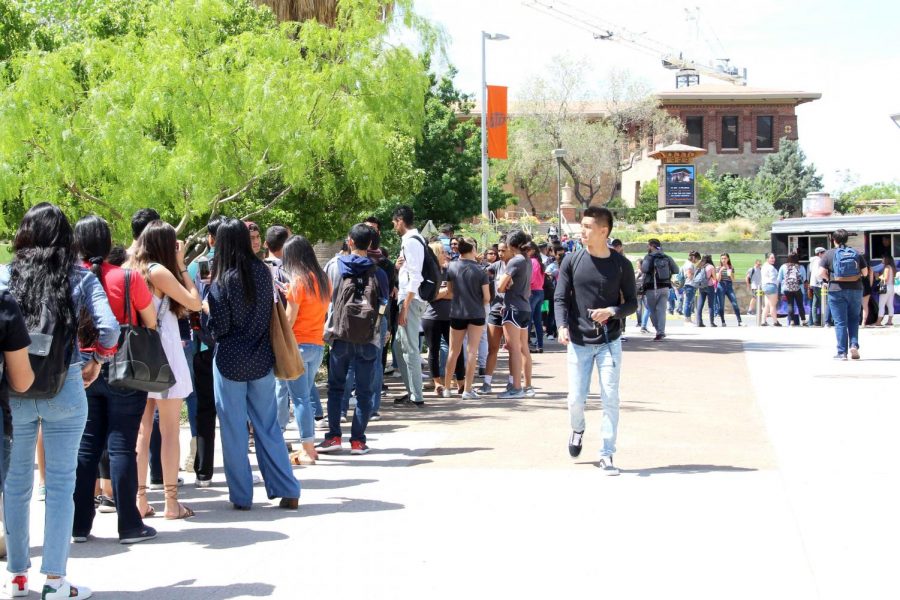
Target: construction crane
{"x": 689, "y": 71}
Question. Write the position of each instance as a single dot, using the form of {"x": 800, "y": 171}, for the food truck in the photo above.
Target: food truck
{"x": 871, "y": 235}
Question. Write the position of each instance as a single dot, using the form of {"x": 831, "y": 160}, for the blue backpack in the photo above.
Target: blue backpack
{"x": 846, "y": 264}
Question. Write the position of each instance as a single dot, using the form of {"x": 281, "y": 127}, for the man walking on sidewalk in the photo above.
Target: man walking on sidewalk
{"x": 411, "y": 306}
{"x": 657, "y": 269}
{"x": 844, "y": 269}
{"x": 594, "y": 295}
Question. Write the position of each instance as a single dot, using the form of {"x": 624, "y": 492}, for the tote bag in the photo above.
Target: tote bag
{"x": 288, "y": 365}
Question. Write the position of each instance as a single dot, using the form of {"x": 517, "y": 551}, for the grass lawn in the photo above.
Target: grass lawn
{"x": 741, "y": 262}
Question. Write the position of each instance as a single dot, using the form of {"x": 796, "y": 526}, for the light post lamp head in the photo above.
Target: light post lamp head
{"x": 496, "y": 37}
{"x": 559, "y": 153}
{"x": 896, "y": 119}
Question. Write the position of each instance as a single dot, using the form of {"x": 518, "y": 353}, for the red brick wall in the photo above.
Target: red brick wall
{"x": 785, "y": 117}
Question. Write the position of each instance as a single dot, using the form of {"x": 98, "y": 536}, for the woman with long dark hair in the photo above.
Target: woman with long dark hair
{"x": 468, "y": 284}
{"x": 886, "y": 282}
{"x": 240, "y": 302}
{"x": 159, "y": 257}
{"x": 725, "y": 276}
{"x": 515, "y": 284}
{"x": 46, "y": 282}
{"x": 308, "y": 296}
{"x": 536, "y": 300}
{"x": 436, "y": 326}
{"x": 114, "y": 413}
{"x": 708, "y": 291}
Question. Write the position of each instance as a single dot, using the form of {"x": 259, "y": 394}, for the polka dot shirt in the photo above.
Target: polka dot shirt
{"x": 243, "y": 344}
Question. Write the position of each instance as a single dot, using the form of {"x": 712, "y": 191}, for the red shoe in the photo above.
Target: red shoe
{"x": 357, "y": 447}
{"x": 332, "y": 444}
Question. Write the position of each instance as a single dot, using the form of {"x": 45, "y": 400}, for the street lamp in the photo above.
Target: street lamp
{"x": 497, "y": 37}
{"x": 559, "y": 154}
{"x": 896, "y": 119}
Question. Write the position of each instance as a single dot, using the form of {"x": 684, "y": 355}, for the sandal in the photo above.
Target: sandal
{"x": 183, "y": 511}
{"x": 439, "y": 391}
{"x": 300, "y": 457}
{"x": 150, "y": 512}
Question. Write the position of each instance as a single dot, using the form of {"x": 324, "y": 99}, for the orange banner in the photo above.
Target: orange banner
{"x": 496, "y": 121}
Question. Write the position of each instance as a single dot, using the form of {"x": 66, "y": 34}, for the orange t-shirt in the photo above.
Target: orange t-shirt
{"x": 310, "y": 324}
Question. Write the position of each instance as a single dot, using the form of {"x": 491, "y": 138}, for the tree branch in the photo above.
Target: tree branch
{"x": 245, "y": 187}
{"x": 79, "y": 193}
{"x": 274, "y": 201}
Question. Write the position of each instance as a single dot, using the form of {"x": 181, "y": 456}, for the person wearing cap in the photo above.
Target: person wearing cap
{"x": 818, "y": 310}
{"x": 657, "y": 269}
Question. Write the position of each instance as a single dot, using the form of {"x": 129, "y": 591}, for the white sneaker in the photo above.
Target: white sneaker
{"x": 66, "y": 590}
{"x": 473, "y": 395}
{"x": 257, "y": 479}
{"x": 446, "y": 393}
{"x": 16, "y": 586}
{"x": 203, "y": 483}
{"x": 529, "y": 392}
{"x": 606, "y": 465}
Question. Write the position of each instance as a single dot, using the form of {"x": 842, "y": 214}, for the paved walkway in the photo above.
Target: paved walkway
{"x": 754, "y": 466}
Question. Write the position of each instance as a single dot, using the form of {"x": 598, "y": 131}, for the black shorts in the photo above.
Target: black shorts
{"x": 463, "y": 324}
{"x": 517, "y": 318}
{"x": 495, "y": 317}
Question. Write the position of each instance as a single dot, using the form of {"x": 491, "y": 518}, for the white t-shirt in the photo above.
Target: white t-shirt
{"x": 755, "y": 276}
{"x": 769, "y": 274}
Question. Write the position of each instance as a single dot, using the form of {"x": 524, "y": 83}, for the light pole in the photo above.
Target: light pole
{"x": 498, "y": 37}
{"x": 559, "y": 154}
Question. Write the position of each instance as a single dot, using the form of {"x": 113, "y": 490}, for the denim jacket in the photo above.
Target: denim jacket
{"x": 87, "y": 291}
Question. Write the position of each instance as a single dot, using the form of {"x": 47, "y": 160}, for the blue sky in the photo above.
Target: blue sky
{"x": 850, "y": 52}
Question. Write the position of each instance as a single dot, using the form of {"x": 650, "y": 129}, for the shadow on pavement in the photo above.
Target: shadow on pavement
{"x": 222, "y": 512}
{"x": 684, "y": 470}
{"x": 180, "y": 591}
{"x": 327, "y": 484}
{"x": 704, "y": 346}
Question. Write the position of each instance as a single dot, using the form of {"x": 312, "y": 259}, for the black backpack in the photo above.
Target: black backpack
{"x": 50, "y": 354}
{"x": 356, "y": 309}
{"x": 431, "y": 274}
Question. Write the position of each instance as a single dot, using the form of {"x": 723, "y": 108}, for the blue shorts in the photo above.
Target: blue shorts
{"x": 770, "y": 288}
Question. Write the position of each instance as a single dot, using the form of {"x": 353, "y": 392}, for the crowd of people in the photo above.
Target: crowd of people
{"x": 70, "y": 298}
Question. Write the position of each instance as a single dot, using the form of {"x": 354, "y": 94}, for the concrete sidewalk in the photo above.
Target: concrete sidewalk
{"x": 753, "y": 466}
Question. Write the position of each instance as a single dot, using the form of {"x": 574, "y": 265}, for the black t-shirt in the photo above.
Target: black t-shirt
{"x": 827, "y": 263}
{"x": 586, "y": 282}
{"x": 13, "y": 336}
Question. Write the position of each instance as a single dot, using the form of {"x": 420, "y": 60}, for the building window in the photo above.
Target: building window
{"x": 764, "y": 132}
{"x": 694, "y": 126}
{"x": 730, "y": 133}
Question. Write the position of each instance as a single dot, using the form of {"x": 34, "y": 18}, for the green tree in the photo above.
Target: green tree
{"x": 785, "y": 178}
{"x": 848, "y": 201}
{"x": 199, "y": 108}
{"x": 447, "y": 159}
{"x": 647, "y": 204}
{"x": 720, "y": 195}
{"x": 602, "y": 138}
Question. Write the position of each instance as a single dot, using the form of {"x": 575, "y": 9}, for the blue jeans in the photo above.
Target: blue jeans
{"x": 62, "y": 420}
{"x": 645, "y": 315}
{"x": 410, "y": 351}
{"x": 608, "y": 360}
{"x": 190, "y": 349}
{"x": 349, "y": 387}
{"x": 688, "y": 293}
{"x": 379, "y": 372}
{"x": 844, "y": 307}
{"x": 113, "y": 420}
{"x": 283, "y": 402}
{"x": 672, "y": 300}
{"x": 301, "y": 391}
{"x": 363, "y": 358}
{"x": 236, "y": 403}
{"x": 726, "y": 290}
{"x": 707, "y": 293}
{"x": 537, "y": 302}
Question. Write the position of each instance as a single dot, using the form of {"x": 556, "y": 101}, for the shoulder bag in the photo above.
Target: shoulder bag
{"x": 288, "y": 365}
{"x": 140, "y": 363}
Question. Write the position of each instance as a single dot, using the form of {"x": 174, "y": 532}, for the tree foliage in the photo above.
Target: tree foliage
{"x": 602, "y": 139}
{"x": 720, "y": 195}
{"x": 847, "y": 202}
{"x": 785, "y": 178}
{"x": 197, "y": 108}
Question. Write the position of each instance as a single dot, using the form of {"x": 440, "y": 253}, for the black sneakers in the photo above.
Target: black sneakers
{"x": 575, "y": 443}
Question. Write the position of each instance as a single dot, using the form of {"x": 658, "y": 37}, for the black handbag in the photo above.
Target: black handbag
{"x": 140, "y": 363}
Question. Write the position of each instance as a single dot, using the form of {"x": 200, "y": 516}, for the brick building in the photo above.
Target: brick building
{"x": 739, "y": 127}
